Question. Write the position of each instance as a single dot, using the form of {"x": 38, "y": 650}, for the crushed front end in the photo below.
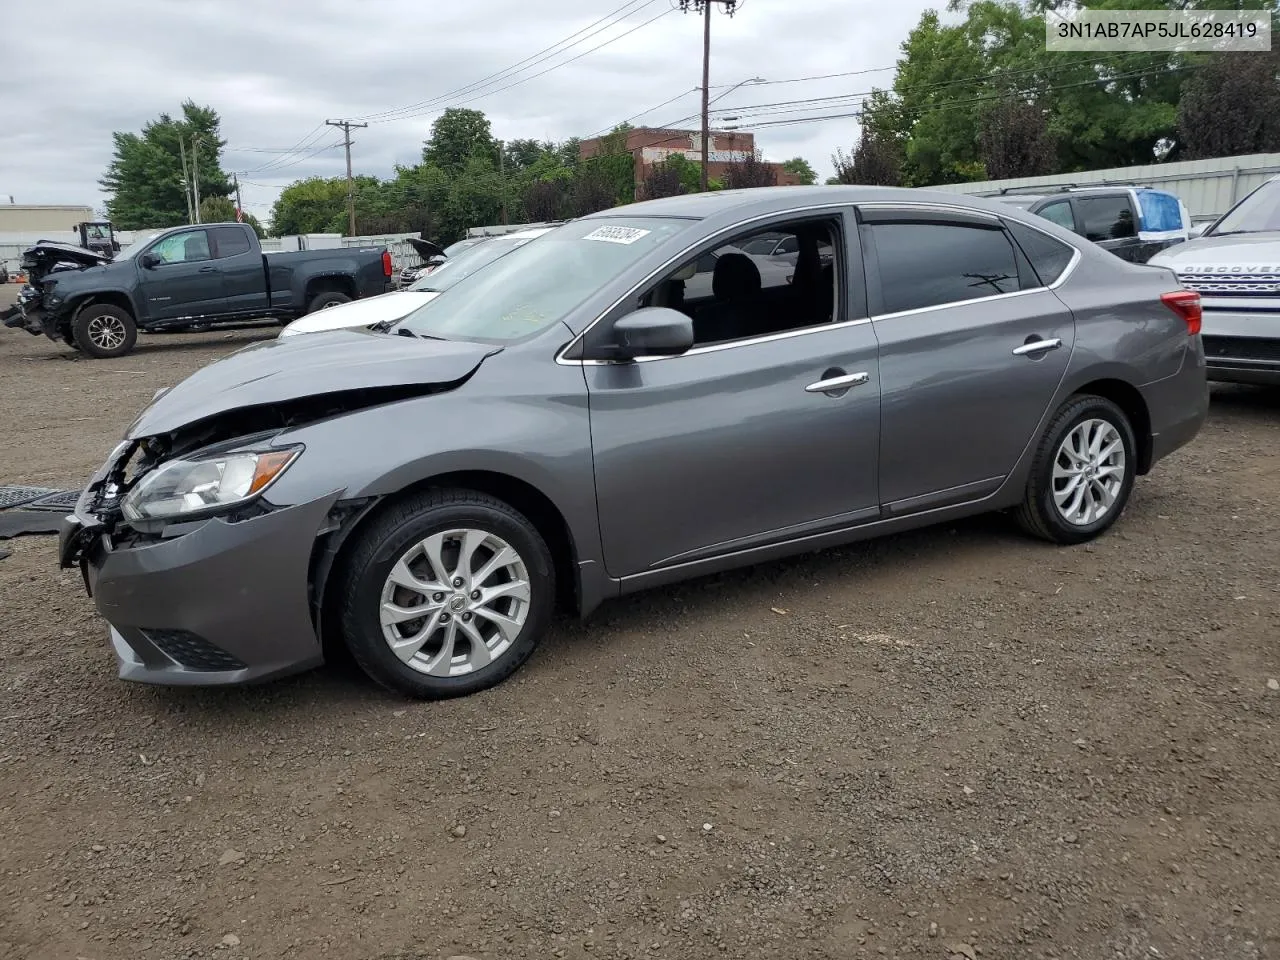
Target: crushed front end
{"x": 201, "y": 600}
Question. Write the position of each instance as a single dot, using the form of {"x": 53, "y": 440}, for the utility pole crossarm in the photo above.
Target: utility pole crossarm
{"x": 346, "y": 126}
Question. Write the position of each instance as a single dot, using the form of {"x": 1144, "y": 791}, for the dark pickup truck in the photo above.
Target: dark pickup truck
{"x": 195, "y": 276}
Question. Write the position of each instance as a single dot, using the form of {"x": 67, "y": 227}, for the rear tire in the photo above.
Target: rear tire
{"x": 1082, "y": 474}
{"x": 482, "y": 616}
{"x": 104, "y": 332}
{"x": 330, "y": 298}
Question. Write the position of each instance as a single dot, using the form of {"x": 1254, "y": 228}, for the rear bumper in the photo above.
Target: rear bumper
{"x": 1242, "y": 346}
{"x": 228, "y": 603}
{"x": 1179, "y": 405}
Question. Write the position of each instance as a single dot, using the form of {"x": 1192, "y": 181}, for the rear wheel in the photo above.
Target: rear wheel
{"x": 1083, "y": 472}
{"x": 103, "y": 331}
{"x": 447, "y": 594}
{"x": 327, "y": 300}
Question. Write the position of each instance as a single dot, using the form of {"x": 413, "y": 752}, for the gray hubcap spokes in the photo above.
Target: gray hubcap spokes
{"x": 455, "y": 602}
{"x": 1088, "y": 472}
{"x": 106, "y": 332}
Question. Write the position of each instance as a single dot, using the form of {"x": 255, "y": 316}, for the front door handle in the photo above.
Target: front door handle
{"x": 207, "y": 270}
{"x": 1036, "y": 346}
{"x": 838, "y": 383}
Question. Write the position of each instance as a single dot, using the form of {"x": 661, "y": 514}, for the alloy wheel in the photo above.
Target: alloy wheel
{"x": 106, "y": 332}
{"x": 455, "y": 602}
{"x": 1088, "y": 472}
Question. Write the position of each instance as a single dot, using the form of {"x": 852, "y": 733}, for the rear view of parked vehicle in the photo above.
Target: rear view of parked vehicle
{"x": 573, "y": 423}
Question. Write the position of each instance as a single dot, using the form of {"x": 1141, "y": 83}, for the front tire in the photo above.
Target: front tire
{"x": 1082, "y": 474}
{"x": 330, "y": 298}
{"x": 104, "y": 332}
{"x": 447, "y": 594}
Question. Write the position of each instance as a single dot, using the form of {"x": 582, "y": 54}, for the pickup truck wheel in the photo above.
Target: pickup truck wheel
{"x": 330, "y": 298}
{"x": 103, "y": 331}
{"x": 446, "y": 594}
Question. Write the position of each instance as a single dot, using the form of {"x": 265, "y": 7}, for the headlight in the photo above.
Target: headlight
{"x": 183, "y": 487}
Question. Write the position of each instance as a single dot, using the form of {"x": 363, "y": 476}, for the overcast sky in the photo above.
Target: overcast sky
{"x": 275, "y": 69}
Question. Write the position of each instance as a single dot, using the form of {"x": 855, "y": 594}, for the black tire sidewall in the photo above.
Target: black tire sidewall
{"x": 80, "y": 331}
{"x": 385, "y": 544}
{"x": 1085, "y": 408}
{"x": 320, "y": 299}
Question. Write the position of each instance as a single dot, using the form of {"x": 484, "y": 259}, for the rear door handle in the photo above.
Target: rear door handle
{"x": 1036, "y": 346}
{"x": 208, "y": 270}
{"x": 838, "y": 383}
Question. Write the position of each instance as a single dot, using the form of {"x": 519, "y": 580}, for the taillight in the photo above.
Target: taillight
{"x": 386, "y": 263}
{"x": 1186, "y": 304}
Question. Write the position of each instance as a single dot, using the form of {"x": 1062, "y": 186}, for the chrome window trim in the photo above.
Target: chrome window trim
{"x": 1076, "y": 257}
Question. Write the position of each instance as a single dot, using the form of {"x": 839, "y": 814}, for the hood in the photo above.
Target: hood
{"x": 386, "y": 307}
{"x": 1247, "y": 252}
{"x": 42, "y": 258}
{"x": 425, "y": 248}
{"x": 277, "y": 372}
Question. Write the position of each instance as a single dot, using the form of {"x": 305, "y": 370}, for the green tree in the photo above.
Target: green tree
{"x": 876, "y": 161}
{"x": 750, "y": 171}
{"x": 662, "y": 180}
{"x": 144, "y": 181}
{"x": 222, "y": 210}
{"x": 457, "y": 136}
{"x": 1230, "y": 106}
{"x": 1015, "y": 141}
{"x": 800, "y": 167}
{"x": 313, "y": 205}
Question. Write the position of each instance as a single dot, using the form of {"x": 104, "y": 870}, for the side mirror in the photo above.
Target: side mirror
{"x": 149, "y": 261}
{"x": 652, "y": 332}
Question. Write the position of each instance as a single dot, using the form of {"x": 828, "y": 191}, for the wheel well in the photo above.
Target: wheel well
{"x": 1127, "y": 398}
{"x": 329, "y": 285}
{"x": 110, "y": 299}
{"x": 524, "y": 497}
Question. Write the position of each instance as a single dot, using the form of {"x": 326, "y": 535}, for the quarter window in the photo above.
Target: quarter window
{"x": 231, "y": 242}
{"x": 1106, "y": 218}
{"x": 1049, "y": 257}
{"x": 930, "y": 264}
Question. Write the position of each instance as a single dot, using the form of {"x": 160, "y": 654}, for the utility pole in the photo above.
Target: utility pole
{"x": 347, "y": 127}
{"x": 186, "y": 179}
{"x": 704, "y": 7}
{"x": 502, "y": 173}
{"x": 195, "y": 173}
{"x": 239, "y": 210}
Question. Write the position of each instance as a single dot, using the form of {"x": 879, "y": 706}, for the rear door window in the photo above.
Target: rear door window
{"x": 1106, "y": 218}
{"x": 931, "y": 264}
{"x": 230, "y": 242}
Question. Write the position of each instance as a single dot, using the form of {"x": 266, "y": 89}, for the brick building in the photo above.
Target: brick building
{"x": 649, "y": 146}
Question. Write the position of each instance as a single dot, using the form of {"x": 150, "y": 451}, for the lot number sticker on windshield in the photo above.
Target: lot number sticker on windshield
{"x": 617, "y": 234}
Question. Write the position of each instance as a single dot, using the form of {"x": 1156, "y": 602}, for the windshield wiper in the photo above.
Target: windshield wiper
{"x": 406, "y": 332}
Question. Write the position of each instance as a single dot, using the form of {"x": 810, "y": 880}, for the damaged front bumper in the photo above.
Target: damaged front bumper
{"x": 29, "y": 314}
{"x": 217, "y": 602}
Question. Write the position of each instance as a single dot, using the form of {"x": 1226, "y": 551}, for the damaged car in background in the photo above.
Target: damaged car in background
{"x": 184, "y": 278}
{"x": 575, "y": 422}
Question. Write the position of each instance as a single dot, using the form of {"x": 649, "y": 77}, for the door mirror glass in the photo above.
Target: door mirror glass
{"x": 653, "y": 332}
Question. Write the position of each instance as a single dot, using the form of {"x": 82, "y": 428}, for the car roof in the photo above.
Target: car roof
{"x": 762, "y": 201}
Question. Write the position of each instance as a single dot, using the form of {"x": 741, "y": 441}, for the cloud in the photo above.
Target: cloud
{"x": 276, "y": 69}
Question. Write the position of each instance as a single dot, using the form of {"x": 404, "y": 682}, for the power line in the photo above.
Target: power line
{"x": 346, "y": 126}
{"x": 587, "y": 32}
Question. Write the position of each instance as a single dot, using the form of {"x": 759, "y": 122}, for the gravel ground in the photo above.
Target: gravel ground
{"x": 956, "y": 742}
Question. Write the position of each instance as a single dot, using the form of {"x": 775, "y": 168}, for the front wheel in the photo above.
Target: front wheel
{"x": 1083, "y": 472}
{"x": 447, "y": 594}
{"x": 327, "y": 300}
{"x": 104, "y": 332}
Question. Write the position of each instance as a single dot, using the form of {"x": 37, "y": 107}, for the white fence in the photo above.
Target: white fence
{"x": 1209, "y": 188}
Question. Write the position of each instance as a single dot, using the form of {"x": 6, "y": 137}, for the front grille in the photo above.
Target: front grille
{"x": 16, "y": 496}
{"x": 1241, "y": 348}
{"x": 192, "y": 652}
{"x": 1233, "y": 284}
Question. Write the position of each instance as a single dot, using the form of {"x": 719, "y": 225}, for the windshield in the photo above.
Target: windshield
{"x": 537, "y": 284}
{"x": 456, "y": 248}
{"x": 467, "y": 262}
{"x": 1256, "y": 213}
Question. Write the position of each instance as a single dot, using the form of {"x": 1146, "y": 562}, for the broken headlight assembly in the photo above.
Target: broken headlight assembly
{"x": 200, "y": 486}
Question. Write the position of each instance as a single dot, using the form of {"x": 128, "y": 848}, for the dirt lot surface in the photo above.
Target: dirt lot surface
{"x": 951, "y": 743}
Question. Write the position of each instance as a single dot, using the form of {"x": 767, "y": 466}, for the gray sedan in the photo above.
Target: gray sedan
{"x": 572, "y": 424}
